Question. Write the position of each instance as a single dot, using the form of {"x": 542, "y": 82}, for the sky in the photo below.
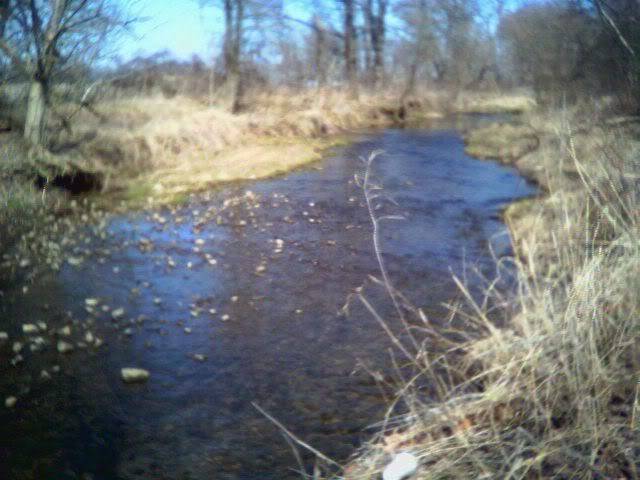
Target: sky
{"x": 180, "y": 26}
{"x": 185, "y": 28}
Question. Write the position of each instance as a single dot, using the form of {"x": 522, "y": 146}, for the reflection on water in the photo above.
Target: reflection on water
{"x": 225, "y": 306}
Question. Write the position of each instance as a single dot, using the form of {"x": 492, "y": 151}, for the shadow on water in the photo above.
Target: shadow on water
{"x": 279, "y": 263}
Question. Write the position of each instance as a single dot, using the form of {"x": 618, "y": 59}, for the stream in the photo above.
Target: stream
{"x": 234, "y": 298}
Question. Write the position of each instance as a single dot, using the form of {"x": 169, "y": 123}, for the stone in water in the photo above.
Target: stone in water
{"x": 29, "y": 328}
{"x": 134, "y": 375}
{"x": 64, "y": 347}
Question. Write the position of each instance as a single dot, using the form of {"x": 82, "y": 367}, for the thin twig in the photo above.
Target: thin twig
{"x": 293, "y": 437}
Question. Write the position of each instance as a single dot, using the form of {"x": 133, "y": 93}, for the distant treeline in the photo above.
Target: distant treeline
{"x": 562, "y": 49}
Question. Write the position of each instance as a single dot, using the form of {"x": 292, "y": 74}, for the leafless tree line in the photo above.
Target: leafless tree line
{"x": 557, "y": 47}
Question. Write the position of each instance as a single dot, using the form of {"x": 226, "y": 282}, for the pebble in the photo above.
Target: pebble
{"x": 10, "y": 402}
{"x": 17, "y": 347}
{"x": 4, "y": 336}
{"x": 401, "y": 467}
{"x": 65, "y": 331}
{"x": 38, "y": 344}
{"x": 29, "y": 328}
{"x": 89, "y": 338}
{"x": 134, "y": 375}
{"x": 117, "y": 313}
{"x": 64, "y": 347}
{"x": 91, "y": 302}
{"x": 74, "y": 261}
{"x": 199, "y": 357}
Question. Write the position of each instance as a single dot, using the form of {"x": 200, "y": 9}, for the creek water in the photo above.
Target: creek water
{"x": 231, "y": 304}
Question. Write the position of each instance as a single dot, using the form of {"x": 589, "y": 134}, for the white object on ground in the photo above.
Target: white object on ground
{"x": 402, "y": 466}
{"x": 134, "y": 375}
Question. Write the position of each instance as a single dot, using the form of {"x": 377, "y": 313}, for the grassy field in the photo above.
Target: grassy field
{"x": 555, "y": 392}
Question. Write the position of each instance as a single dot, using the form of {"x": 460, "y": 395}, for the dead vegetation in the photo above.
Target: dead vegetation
{"x": 554, "y": 393}
{"x": 162, "y": 147}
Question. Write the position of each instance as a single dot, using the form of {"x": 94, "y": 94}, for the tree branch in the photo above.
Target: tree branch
{"x": 19, "y": 63}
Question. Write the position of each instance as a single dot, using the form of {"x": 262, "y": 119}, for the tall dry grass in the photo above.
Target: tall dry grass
{"x": 555, "y": 392}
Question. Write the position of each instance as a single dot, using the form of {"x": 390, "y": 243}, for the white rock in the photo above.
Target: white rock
{"x": 38, "y": 344}
{"x": 64, "y": 347}
{"x": 42, "y": 326}
{"x": 117, "y": 313}
{"x": 29, "y": 328}
{"x": 44, "y": 375}
{"x": 74, "y": 261}
{"x": 10, "y": 402}
{"x": 4, "y": 336}
{"x": 402, "y": 466}
{"x": 24, "y": 263}
{"x": 17, "y": 347}
{"x": 199, "y": 357}
{"x": 88, "y": 337}
{"x": 134, "y": 375}
{"x": 91, "y": 302}
{"x": 65, "y": 331}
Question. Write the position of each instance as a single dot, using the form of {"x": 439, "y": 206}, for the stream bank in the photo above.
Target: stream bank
{"x": 233, "y": 297}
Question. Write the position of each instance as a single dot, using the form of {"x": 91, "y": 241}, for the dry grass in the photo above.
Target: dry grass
{"x": 515, "y": 102}
{"x": 554, "y": 394}
{"x": 151, "y": 138}
{"x": 184, "y": 144}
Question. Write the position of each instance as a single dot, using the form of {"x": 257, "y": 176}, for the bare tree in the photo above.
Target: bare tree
{"x": 40, "y": 37}
{"x": 350, "y": 59}
{"x": 375, "y": 12}
{"x": 234, "y": 18}
{"x": 320, "y": 50}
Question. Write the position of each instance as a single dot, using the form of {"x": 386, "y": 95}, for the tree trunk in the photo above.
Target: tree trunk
{"x": 320, "y": 54}
{"x": 238, "y": 85}
{"x": 36, "y": 113}
{"x": 375, "y": 21}
{"x": 350, "y": 60}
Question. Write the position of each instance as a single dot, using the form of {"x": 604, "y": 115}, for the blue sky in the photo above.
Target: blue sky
{"x": 180, "y": 26}
{"x": 185, "y": 28}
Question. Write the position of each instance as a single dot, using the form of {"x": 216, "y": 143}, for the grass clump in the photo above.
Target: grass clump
{"x": 555, "y": 392}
